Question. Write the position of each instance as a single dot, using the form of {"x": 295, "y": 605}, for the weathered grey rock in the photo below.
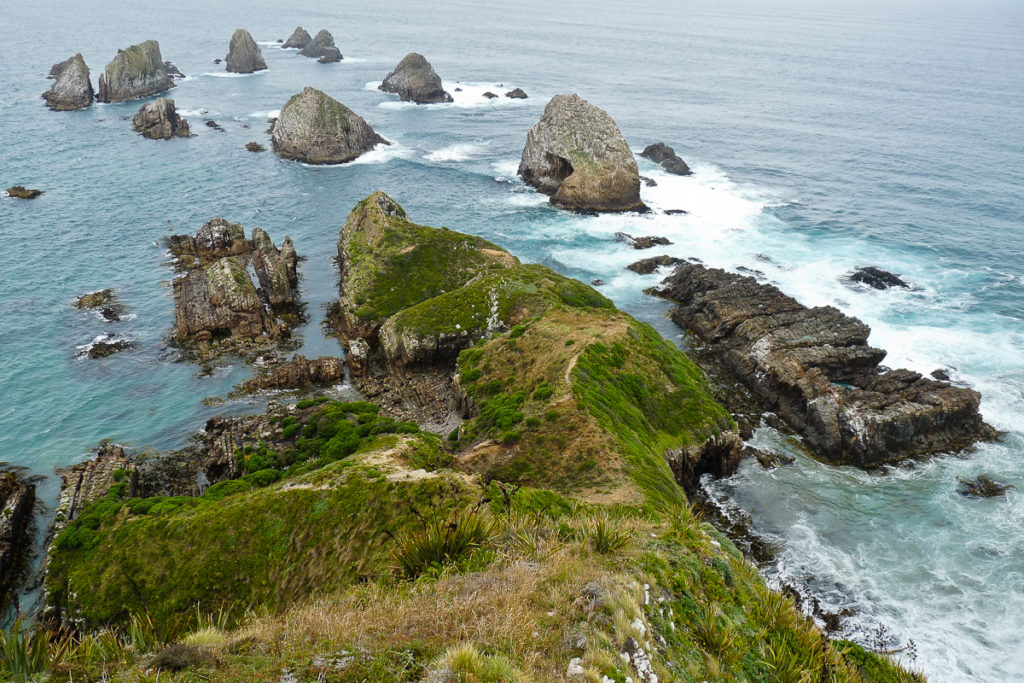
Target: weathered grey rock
{"x": 814, "y": 368}
{"x": 666, "y": 157}
{"x": 298, "y": 373}
{"x": 577, "y": 155}
{"x": 414, "y": 80}
{"x": 72, "y": 88}
{"x": 322, "y": 48}
{"x": 216, "y": 239}
{"x": 17, "y": 500}
{"x": 159, "y": 120}
{"x": 221, "y": 301}
{"x": 299, "y": 38}
{"x": 244, "y": 56}
{"x": 876, "y": 278}
{"x": 649, "y": 265}
{"x": 138, "y": 71}
{"x": 275, "y": 270}
{"x": 317, "y": 129}
{"x": 358, "y": 358}
{"x": 517, "y": 94}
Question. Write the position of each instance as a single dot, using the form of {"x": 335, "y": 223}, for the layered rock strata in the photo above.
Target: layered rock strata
{"x": 72, "y": 88}
{"x": 317, "y": 129}
{"x": 299, "y": 373}
{"x": 17, "y": 500}
{"x": 321, "y": 48}
{"x": 577, "y": 155}
{"x": 815, "y": 369}
{"x": 244, "y": 56}
{"x": 414, "y": 80}
{"x": 159, "y": 120}
{"x": 138, "y": 71}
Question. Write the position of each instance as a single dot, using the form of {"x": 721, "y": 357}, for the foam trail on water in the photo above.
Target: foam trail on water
{"x": 457, "y": 152}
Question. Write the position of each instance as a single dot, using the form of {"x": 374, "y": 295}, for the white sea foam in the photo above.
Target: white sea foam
{"x": 464, "y": 96}
{"x": 380, "y": 154}
{"x": 198, "y": 112}
{"x": 265, "y": 115}
{"x": 457, "y": 152}
{"x": 226, "y": 74}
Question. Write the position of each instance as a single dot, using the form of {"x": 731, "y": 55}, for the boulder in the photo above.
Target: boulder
{"x": 299, "y": 38}
{"x": 244, "y": 56}
{"x": 159, "y": 120}
{"x": 22, "y": 192}
{"x": 138, "y": 71}
{"x": 649, "y": 265}
{"x": 17, "y": 501}
{"x": 666, "y": 157}
{"x": 317, "y": 129}
{"x": 814, "y": 369}
{"x": 876, "y": 278}
{"x": 414, "y": 80}
{"x": 642, "y": 242}
{"x": 577, "y": 155}
{"x": 72, "y": 88}
{"x": 516, "y": 94}
{"x": 322, "y": 48}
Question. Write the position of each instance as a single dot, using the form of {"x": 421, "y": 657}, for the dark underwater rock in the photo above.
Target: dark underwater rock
{"x": 317, "y": 129}
{"x": 642, "y": 242}
{"x": 577, "y": 155}
{"x": 108, "y": 345}
{"x": 72, "y": 88}
{"x": 489, "y": 95}
{"x": 159, "y": 120}
{"x": 244, "y": 56}
{"x": 138, "y": 71}
{"x": 414, "y": 80}
{"x": 877, "y": 278}
{"x": 666, "y": 157}
{"x": 814, "y": 368}
{"x": 982, "y": 486}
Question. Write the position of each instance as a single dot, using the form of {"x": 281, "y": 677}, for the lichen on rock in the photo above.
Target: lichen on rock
{"x": 317, "y": 129}
{"x": 137, "y": 71}
{"x": 577, "y": 155}
{"x": 244, "y": 56}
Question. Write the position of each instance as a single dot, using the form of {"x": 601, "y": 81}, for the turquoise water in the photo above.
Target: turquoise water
{"x": 822, "y": 138}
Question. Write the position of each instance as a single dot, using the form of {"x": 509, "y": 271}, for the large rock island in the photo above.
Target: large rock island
{"x": 414, "y": 80}
{"x": 72, "y": 88}
{"x": 317, "y": 129}
{"x": 577, "y": 155}
{"x": 244, "y": 56}
{"x": 138, "y": 71}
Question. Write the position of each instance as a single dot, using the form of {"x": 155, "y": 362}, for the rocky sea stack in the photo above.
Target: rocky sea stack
{"x": 244, "y": 56}
{"x": 322, "y": 48}
{"x": 22, "y": 192}
{"x": 317, "y": 129}
{"x": 299, "y": 39}
{"x": 159, "y": 120}
{"x": 414, "y": 80}
{"x": 577, "y": 155}
{"x": 666, "y": 157}
{"x": 138, "y": 71}
{"x": 72, "y": 88}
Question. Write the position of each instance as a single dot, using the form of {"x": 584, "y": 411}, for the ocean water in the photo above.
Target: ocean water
{"x": 823, "y": 136}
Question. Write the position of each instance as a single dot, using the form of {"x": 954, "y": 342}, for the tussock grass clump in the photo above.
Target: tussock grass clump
{"x": 442, "y": 541}
{"x": 465, "y": 662}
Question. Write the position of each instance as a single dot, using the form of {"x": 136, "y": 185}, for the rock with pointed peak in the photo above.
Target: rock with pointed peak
{"x": 299, "y": 39}
{"x": 322, "y": 48}
{"x": 244, "y": 56}
{"x": 317, "y": 129}
{"x": 72, "y": 88}
{"x": 138, "y": 71}
{"x": 414, "y": 80}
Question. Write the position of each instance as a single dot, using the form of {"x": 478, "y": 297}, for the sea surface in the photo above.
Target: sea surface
{"x": 823, "y": 136}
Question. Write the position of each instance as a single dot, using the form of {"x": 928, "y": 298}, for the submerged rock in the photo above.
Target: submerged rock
{"x": 244, "y": 56}
{"x": 322, "y": 48}
{"x": 982, "y": 486}
{"x": 666, "y": 157}
{"x": 22, "y": 192}
{"x": 159, "y": 120}
{"x": 517, "y": 94}
{"x": 317, "y": 129}
{"x": 108, "y": 345}
{"x": 17, "y": 501}
{"x": 72, "y": 88}
{"x": 138, "y": 71}
{"x": 577, "y": 155}
{"x": 876, "y": 278}
{"x": 814, "y": 368}
{"x": 414, "y": 80}
{"x": 299, "y": 38}
{"x": 649, "y": 265}
{"x": 210, "y": 123}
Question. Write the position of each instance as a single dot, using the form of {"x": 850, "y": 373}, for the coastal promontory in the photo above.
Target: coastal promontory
{"x": 414, "y": 80}
{"x": 244, "y": 56}
{"x": 317, "y": 129}
{"x": 72, "y": 88}
{"x": 138, "y": 71}
{"x": 577, "y": 155}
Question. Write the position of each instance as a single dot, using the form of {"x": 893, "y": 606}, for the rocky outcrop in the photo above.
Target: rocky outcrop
{"x": 72, "y": 88}
{"x": 107, "y": 345}
{"x": 299, "y": 373}
{"x": 317, "y": 129}
{"x": 666, "y": 157}
{"x": 517, "y": 94}
{"x": 173, "y": 71}
{"x": 159, "y": 120}
{"x": 982, "y": 486}
{"x": 322, "y": 48}
{"x": 414, "y": 80}
{"x": 105, "y": 302}
{"x": 244, "y": 56}
{"x": 642, "y": 242}
{"x": 299, "y": 38}
{"x": 22, "y": 192}
{"x": 814, "y": 368}
{"x": 876, "y": 278}
{"x": 358, "y": 357}
{"x": 649, "y": 265}
{"x": 17, "y": 500}
{"x": 216, "y": 303}
{"x": 138, "y": 71}
{"x": 577, "y": 155}
{"x": 255, "y": 147}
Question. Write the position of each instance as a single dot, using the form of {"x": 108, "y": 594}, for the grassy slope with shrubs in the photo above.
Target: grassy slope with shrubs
{"x": 547, "y": 528}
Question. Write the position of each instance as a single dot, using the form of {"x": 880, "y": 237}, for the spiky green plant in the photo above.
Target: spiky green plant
{"x": 442, "y": 542}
